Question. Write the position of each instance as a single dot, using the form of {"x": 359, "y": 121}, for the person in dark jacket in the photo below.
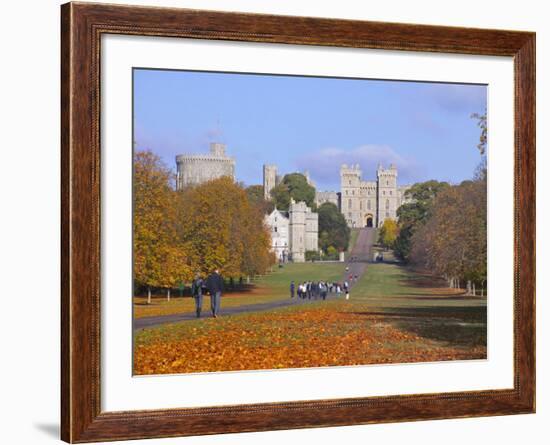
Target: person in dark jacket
{"x": 214, "y": 283}
{"x": 196, "y": 291}
{"x": 292, "y": 287}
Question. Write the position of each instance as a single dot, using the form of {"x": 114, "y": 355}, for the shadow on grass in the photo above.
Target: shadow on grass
{"x": 455, "y": 326}
{"x": 419, "y": 296}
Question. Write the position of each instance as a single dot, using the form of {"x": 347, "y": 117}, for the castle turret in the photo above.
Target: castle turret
{"x": 388, "y": 196}
{"x": 350, "y": 187}
{"x": 297, "y": 230}
{"x": 217, "y": 149}
{"x": 270, "y": 179}
{"x": 194, "y": 169}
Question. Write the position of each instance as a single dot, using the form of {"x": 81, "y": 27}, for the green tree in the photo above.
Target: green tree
{"x": 412, "y": 215}
{"x": 295, "y": 186}
{"x": 334, "y": 232}
{"x": 255, "y": 195}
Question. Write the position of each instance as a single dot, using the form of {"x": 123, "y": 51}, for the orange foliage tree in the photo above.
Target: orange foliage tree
{"x": 224, "y": 230}
{"x": 215, "y": 225}
{"x": 159, "y": 254}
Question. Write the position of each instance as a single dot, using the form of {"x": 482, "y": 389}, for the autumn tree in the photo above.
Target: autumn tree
{"x": 333, "y": 229}
{"x": 159, "y": 255}
{"x": 295, "y": 186}
{"x": 223, "y": 229}
{"x": 453, "y": 241}
{"x": 482, "y": 124}
{"x": 388, "y": 233}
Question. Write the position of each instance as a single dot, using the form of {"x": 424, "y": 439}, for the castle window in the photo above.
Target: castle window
{"x": 387, "y": 182}
{"x": 391, "y": 192}
{"x": 360, "y": 205}
{"x": 275, "y": 228}
{"x": 349, "y": 214}
{"x": 349, "y": 203}
{"x": 387, "y": 203}
{"x": 368, "y": 204}
{"x": 349, "y": 182}
{"x": 384, "y": 192}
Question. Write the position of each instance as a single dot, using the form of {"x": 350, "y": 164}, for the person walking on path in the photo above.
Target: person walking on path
{"x": 196, "y": 291}
{"x": 214, "y": 283}
{"x": 324, "y": 289}
{"x": 346, "y": 289}
{"x": 292, "y": 287}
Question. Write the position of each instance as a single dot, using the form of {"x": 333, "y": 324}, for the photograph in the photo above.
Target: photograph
{"x": 288, "y": 221}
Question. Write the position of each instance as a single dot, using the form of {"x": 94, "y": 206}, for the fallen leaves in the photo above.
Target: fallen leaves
{"x": 330, "y": 335}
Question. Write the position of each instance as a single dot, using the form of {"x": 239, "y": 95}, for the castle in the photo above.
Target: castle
{"x": 363, "y": 203}
{"x": 293, "y": 233}
{"x": 195, "y": 169}
{"x": 369, "y": 203}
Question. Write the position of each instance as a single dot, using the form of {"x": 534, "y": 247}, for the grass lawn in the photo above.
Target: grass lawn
{"x": 270, "y": 287}
{"x": 394, "y": 316}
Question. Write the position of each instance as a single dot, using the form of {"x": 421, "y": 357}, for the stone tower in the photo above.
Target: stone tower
{"x": 297, "y": 230}
{"x": 270, "y": 179}
{"x": 350, "y": 188}
{"x": 194, "y": 169}
{"x": 388, "y": 196}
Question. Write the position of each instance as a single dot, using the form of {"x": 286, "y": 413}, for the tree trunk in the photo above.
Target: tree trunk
{"x": 148, "y": 295}
{"x": 474, "y": 289}
{"x": 168, "y": 294}
{"x": 248, "y": 279}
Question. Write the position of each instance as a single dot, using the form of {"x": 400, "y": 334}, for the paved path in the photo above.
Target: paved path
{"x": 361, "y": 252}
{"x": 149, "y": 322}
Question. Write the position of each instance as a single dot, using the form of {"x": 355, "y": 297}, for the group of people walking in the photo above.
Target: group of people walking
{"x": 214, "y": 286}
{"x": 318, "y": 290}
{"x": 311, "y": 290}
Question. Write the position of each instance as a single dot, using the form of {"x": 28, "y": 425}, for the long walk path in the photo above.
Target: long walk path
{"x": 361, "y": 253}
{"x": 149, "y": 322}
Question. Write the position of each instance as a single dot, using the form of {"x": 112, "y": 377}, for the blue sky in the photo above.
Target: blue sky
{"x": 311, "y": 123}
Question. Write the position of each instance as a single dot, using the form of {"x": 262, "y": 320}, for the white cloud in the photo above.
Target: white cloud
{"x": 324, "y": 165}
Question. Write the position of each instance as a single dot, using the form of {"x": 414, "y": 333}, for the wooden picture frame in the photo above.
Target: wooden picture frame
{"x": 82, "y": 26}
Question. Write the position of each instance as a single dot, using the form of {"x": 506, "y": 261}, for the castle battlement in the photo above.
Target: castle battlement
{"x": 194, "y": 169}
{"x": 190, "y": 158}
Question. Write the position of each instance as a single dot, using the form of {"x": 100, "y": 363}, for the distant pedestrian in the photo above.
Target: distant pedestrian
{"x": 292, "y": 289}
{"x": 346, "y": 289}
{"x": 196, "y": 291}
{"x": 324, "y": 289}
{"x": 214, "y": 283}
